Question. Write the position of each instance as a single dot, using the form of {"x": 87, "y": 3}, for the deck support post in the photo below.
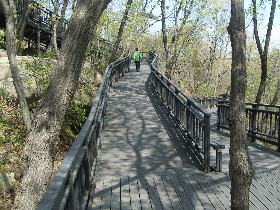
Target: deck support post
{"x": 278, "y": 147}
{"x": 253, "y": 122}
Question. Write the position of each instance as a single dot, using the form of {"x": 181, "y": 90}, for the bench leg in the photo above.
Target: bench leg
{"x": 219, "y": 160}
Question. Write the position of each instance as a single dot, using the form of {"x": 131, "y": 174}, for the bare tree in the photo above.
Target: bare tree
{"x": 62, "y": 15}
{"x": 55, "y": 21}
{"x": 21, "y": 25}
{"x": 41, "y": 141}
{"x": 240, "y": 166}
{"x": 263, "y": 52}
{"x": 121, "y": 29}
{"x": 172, "y": 47}
{"x": 10, "y": 14}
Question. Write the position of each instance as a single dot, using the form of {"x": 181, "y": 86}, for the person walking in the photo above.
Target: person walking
{"x": 137, "y": 57}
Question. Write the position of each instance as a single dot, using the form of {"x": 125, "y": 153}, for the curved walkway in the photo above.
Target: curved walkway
{"x": 144, "y": 162}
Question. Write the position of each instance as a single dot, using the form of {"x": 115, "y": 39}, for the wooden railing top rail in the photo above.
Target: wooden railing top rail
{"x": 227, "y": 102}
{"x": 195, "y": 104}
{"x": 191, "y": 118}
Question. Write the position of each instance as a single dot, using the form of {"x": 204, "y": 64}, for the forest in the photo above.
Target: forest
{"x": 191, "y": 38}
{"x": 197, "y": 42}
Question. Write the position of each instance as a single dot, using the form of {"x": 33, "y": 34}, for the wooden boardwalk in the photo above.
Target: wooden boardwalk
{"x": 144, "y": 162}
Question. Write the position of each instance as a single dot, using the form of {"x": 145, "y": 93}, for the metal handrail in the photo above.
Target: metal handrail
{"x": 74, "y": 181}
{"x": 192, "y": 118}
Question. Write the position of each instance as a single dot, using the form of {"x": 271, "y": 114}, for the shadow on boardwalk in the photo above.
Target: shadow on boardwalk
{"x": 144, "y": 162}
{"x": 177, "y": 138}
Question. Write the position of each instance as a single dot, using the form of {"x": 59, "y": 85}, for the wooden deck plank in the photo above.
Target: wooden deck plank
{"x": 215, "y": 194}
{"x": 276, "y": 175}
{"x": 165, "y": 200}
{"x": 269, "y": 192}
{"x": 258, "y": 198}
{"x": 182, "y": 193}
{"x": 192, "y": 194}
{"x": 153, "y": 194}
{"x": 200, "y": 187}
{"x": 172, "y": 193}
{"x": 135, "y": 195}
{"x": 115, "y": 194}
{"x": 224, "y": 190}
{"x": 270, "y": 178}
{"x": 145, "y": 198}
{"x": 125, "y": 194}
{"x": 274, "y": 194}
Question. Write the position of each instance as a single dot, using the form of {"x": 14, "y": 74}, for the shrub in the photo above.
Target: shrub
{"x": 76, "y": 116}
{"x": 2, "y": 39}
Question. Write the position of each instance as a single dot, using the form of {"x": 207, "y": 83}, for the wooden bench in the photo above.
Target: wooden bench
{"x": 218, "y": 147}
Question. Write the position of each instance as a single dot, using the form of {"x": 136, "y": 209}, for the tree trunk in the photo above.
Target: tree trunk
{"x": 120, "y": 33}
{"x": 263, "y": 53}
{"x": 39, "y": 151}
{"x": 240, "y": 166}
{"x": 55, "y": 21}
{"x": 276, "y": 94}
{"x": 62, "y": 16}
{"x": 262, "y": 85}
{"x": 164, "y": 39}
{"x": 10, "y": 14}
{"x": 171, "y": 60}
{"x": 22, "y": 22}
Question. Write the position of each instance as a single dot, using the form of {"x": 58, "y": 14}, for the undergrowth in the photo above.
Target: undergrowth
{"x": 13, "y": 132}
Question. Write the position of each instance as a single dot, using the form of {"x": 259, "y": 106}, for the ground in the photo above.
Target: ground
{"x": 11, "y": 144}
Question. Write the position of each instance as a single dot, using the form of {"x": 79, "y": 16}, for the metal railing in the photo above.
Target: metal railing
{"x": 263, "y": 121}
{"x": 74, "y": 181}
{"x": 191, "y": 117}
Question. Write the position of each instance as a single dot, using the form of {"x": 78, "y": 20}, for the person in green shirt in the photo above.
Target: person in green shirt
{"x": 137, "y": 57}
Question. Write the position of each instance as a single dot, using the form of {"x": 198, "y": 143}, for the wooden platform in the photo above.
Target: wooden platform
{"x": 144, "y": 162}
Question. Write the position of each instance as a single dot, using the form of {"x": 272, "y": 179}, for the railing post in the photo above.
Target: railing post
{"x": 129, "y": 62}
{"x": 278, "y": 148}
{"x": 176, "y": 104}
{"x": 168, "y": 94}
{"x": 188, "y": 123}
{"x": 207, "y": 143}
{"x": 219, "y": 116}
{"x": 253, "y": 122}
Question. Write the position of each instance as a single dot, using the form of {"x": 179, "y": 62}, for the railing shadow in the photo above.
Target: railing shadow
{"x": 174, "y": 133}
